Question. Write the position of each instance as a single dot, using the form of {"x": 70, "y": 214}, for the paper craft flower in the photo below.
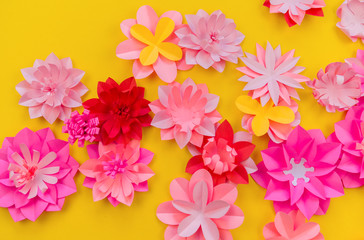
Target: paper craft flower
{"x": 225, "y": 156}
{"x": 357, "y": 64}
{"x": 210, "y": 40}
{"x": 116, "y": 171}
{"x": 301, "y": 173}
{"x": 153, "y": 44}
{"x": 36, "y": 174}
{"x": 185, "y": 112}
{"x": 338, "y": 88}
{"x": 51, "y": 88}
{"x": 269, "y": 75}
{"x": 351, "y": 13}
{"x": 199, "y": 210}
{"x": 295, "y": 10}
{"x": 121, "y": 109}
{"x": 292, "y": 226}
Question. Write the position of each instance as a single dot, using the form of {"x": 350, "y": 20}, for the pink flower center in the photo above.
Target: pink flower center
{"x": 115, "y": 166}
{"x": 22, "y": 175}
{"x": 213, "y": 37}
{"x": 50, "y": 89}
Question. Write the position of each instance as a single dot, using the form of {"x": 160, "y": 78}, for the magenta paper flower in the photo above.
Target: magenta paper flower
{"x": 116, "y": 171}
{"x": 36, "y": 174}
{"x": 351, "y": 13}
{"x": 269, "y": 75}
{"x": 338, "y": 88}
{"x": 185, "y": 112}
{"x": 357, "y": 64}
{"x": 301, "y": 173}
{"x": 51, "y": 88}
{"x": 210, "y": 40}
{"x": 199, "y": 210}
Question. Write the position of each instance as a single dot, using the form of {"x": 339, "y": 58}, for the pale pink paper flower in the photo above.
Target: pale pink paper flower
{"x": 269, "y": 75}
{"x": 199, "y": 210}
{"x": 51, "y": 88}
{"x": 351, "y": 13}
{"x": 116, "y": 171}
{"x": 185, "y": 112}
{"x": 357, "y": 64}
{"x": 210, "y": 40}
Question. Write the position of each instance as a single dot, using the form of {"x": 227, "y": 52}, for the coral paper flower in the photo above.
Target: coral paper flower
{"x": 51, "y": 88}
{"x": 121, "y": 110}
{"x": 36, "y": 174}
{"x": 210, "y": 40}
{"x": 269, "y": 75}
{"x": 351, "y": 13}
{"x": 225, "y": 157}
{"x": 199, "y": 210}
{"x": 115, "y": 171}
{"x": 301, "y": 173}
{"x": 185, "y": 112}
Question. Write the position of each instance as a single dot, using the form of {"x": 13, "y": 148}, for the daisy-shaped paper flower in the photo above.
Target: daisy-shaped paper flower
{"x": 116, "y": 171}
{"x": 185, "y": 112}
{"x": 269, "y": 75}
{"x": 51, "y": 88}
{"x": 210, "y": 40}
{"x": 121, "y": 109}
{"x": 301, "y": 173}
{"x": 295, "y": 10}
{"x": 338, "y": 88}
{"x": 225, "y": 156}
{"x": 153, "y": 44}
{"x": 36, "y": 174}
{"x": 199, "y": 210}
{"x": 357, "y": 64}
{"x": 351, "y": 13}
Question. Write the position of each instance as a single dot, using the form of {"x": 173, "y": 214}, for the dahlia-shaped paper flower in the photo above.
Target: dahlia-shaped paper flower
{"x": 301, "y": 173}
{"x": 210, "y": 40}
{"x": 185, "y": 112}
{"x": 121, "y": 109}
{"x": 351, "y": 13}
{"x": 36, "y": 174}
{"x": 295, "y": 11}
{"x": 357, "y": 64}
{"x": 338, "y": 88}
{"x": 269, "y": 75}
{"x": 199, "y": 210}
{"x": 116, "y": 171}
{"x": 51, "y": 88}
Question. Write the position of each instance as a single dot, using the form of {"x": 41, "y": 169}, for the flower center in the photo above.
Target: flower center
{"x": 298, "y": 171}
{"x": 115, "y": 166}
{"x": 186, "y": 118}
{"x": 123, "y": 111}
{"x": 50, "y": 89}
{"x": 213, "y": 37}
{"x": 23, "y": 175}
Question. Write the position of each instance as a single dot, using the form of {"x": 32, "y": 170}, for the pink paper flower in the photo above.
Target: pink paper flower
{"x": 357, "y": 64}
{"x": 338, "y": 88}
{"x": 116, "y": 171}
{"x": 51, "y": 88}
{"x": 269, "y": 75}
{"x": 36, "y": 174}
{"x": 185, "y": 112}
{"x": 210, "y": 40}
{"x": 301, "y": 173}
{"x": 351, "y": 13}
{"x": 199, "y": 210}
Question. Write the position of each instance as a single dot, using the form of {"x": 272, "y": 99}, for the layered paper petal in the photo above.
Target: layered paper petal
{"x": 351, "y": 14}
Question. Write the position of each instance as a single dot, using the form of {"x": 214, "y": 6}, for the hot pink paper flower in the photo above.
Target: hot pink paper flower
{"x": 199, "y": 210}
{"x": 36, "y": 174}
{"x": 185, "y": 112}
{"x": 269, "y": 75}
{"x": 210, "y": 40}
{"x": 357, "y": 64}
{"x": 301, "y": 173}
{"x": 351, "y": 13}
{"x": 51, "y": 88}
{"x": 116, "y": 171}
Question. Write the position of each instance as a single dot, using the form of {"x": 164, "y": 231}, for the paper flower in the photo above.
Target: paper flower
{"x": 292, "y": 226}
{"x": 295, "y": 11}
{"x": 153, "y": 44}
{"x": 185, "y": 112}
{"x": 301, "y": 173}
{"x": 116, "y": 171}
{"x": 225, "y": 156}
{"x": 210, "y": 40}
{"x": 357, "y": 64}
{"x": 351, "y": 13}
{"x": 269, "y": 75}
{"x": 36, "y": 174}
{"x": 338, "y": 88}
{"x": 199, "y": 210}
{"x": 121, "y": 110}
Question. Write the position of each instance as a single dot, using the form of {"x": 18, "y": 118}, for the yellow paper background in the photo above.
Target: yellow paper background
{"x": 88, "y": 32}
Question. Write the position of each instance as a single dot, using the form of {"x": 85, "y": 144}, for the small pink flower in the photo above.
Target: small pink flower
{"x": 351, "y": 13}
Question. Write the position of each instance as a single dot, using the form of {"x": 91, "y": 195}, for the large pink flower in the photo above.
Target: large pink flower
{"x": 185, "y": 112}
{"x": 51, "y": 88}
{"x": 351, "y": 13}
{"x": 210, "y": 40}
{"x": 36, "y": 174}
{"x": 301, "y": 173}
{"x": 199, "y": 210}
